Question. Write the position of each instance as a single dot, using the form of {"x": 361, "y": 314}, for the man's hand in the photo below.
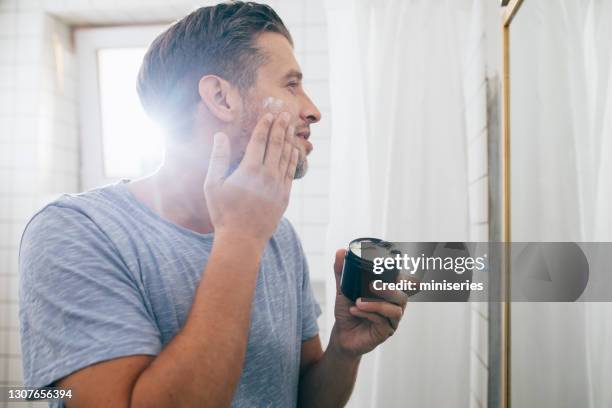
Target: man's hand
{"x": 251, "y": 201}
{"x": 363, "y": 325}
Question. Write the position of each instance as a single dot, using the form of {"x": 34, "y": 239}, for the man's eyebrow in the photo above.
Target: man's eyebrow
{"x": 294, "y": 73}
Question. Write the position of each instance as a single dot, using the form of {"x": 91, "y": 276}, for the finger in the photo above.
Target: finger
{"x": 372, "y": 317}
{"x": 256, "y": 147}
{"x": 389, "y": 310}
{"x": 397, "y": 297}
{"x": 219, "y": 159}
{"x": 276, "y": 142}
{"x": 287, "y": 150}
{"x": 338, "y": 265}
{"x": 382, "y": 323}
{"x": 295, "y": 155}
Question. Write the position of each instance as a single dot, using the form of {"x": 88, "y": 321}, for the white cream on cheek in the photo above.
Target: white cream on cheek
{"x": 274, "y": 105}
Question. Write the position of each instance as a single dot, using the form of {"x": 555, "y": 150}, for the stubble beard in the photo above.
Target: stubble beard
{"x": 247, "y": 124}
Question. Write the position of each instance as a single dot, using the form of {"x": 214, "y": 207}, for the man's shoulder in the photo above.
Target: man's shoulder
{"x": 67, "y": 213}
{"x": 80, "y": 202}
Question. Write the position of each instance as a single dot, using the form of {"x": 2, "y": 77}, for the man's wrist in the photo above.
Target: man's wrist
{"x": 240, "y": 240}
{"x": 339, "y": 352}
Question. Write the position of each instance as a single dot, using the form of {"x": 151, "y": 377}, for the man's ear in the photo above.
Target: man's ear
{"x": 219, "y": 97}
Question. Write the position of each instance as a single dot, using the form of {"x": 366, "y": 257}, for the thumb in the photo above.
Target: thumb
{"x": 338, "y": 265}
{"x": 219, "y": 159}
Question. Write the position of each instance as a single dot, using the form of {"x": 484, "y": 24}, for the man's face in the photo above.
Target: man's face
{"x": 278, "y": 88}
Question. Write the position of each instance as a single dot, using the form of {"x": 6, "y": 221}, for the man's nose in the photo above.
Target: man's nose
{"x": 310, "y": 113}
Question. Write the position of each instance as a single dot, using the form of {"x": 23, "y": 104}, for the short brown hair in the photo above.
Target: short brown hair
{"x": 215, "y": 40}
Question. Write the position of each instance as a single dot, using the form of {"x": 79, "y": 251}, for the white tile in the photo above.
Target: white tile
{"x": 29, "y": 50}
{"x": 318, "y": 92}
{"x": 319, "y": 269}
{"x": 314, "y": 238}
{"x": 3, "y": 365}
{"x": 290, "y": 11}
{"x": 15, "y": 232}
{"x": 13, "y": 288}
{"x": 30, "y": 5}
{"x": 4, "y": 287}
{"x": 8, "y": 6}
{"x": 6, "y": 181}
{"x": 25, "y": 181}
{"x": 294, "y": 209}
{"x": 324, "y": 125}
{"x": 316, "y": 38}
{"x": 5, "y": 211}
{"x": 31, "y": 23}
{"x": 316, "y": 210}
{"x": 8, "y": 24}
{"x": 25, "y": 154}
{"x": 14, "y": 346}
{"x": 316, "y": 66}
{"x": 26, "y": 129}
{"x": 12, "y": 315}
{"x": 7, "y": 102}
{"x": 3, "y": 325}
{"x": 297, "y": 35}
{"x": 8, "y": 51}
{"x": 6, "y": 157}
{"x": 4, "y": 256}
{"x": 28, "y": 77}
{"x": 320, "y": 155}
{"x": 21, "y": 207}
{"x": 316, "y": 182}
{"x": 15, "y": 373}
{"x": 8, "y": 74}
{"x": 314, "y": 12}
{"x": 319, "y": 289}
{"x": 297, "y": 189}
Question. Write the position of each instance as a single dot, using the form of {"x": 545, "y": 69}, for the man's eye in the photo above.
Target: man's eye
{"x": 293, "y": 86}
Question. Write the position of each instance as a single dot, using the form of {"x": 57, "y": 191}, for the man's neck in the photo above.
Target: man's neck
{"x": 176, "y": 193}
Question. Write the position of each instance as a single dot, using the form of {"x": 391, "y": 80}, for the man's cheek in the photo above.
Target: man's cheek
{"x": 273, "y": 105}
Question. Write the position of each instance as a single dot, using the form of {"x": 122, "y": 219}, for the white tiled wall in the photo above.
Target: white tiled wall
{"x": 39, "y": 125}
{"x": 38, "y": 141}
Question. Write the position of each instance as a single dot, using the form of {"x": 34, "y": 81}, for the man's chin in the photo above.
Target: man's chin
{"x": 301, "y": 169}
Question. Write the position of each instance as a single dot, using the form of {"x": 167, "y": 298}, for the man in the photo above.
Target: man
{"x": 188, "y": 287}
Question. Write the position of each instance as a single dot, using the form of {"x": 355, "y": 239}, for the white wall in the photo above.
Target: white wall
{"x": 38, "y": 145}
{"x": 39, "y": 137}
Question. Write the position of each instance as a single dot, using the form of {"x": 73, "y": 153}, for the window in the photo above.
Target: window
{"x": 131, "y": 142}
{"x": 118, "y": 140}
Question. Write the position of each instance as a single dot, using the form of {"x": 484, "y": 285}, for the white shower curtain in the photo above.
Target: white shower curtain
{"x": 399, "y": 172}
{"x": 561, "y": 73}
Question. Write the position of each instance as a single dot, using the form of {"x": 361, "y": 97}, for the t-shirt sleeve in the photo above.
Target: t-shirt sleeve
{"x": 79, "y": 303}
{"x": 310, "y": 306}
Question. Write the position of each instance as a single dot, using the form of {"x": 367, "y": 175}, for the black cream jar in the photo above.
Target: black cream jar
{"x": 358, "y": 269}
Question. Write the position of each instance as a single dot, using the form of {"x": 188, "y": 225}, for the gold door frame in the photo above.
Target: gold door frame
{"x": 512, "y": 8}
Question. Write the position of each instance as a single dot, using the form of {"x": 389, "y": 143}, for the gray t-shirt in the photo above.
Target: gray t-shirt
{"x": 103, "y": 276}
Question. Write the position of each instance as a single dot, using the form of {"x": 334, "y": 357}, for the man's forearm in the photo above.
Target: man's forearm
{"x": 201, "y": 366}
{"x": 329, "y": 382}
